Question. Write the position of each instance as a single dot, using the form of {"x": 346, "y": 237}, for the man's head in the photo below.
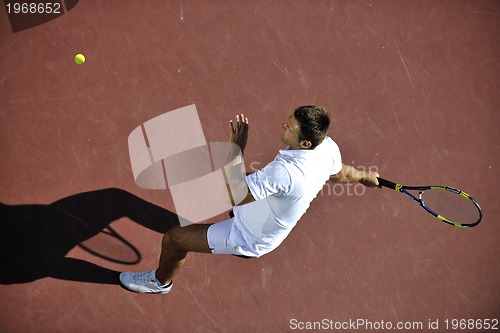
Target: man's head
{"x": 306, "y": 128}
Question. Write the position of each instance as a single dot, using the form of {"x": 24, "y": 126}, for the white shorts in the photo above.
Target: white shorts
{"x": 225, "y": 238}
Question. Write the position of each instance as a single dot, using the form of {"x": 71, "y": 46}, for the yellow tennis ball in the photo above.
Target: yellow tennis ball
{"x": 79, "y": 58}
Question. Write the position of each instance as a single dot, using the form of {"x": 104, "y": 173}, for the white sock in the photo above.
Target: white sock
{"x": 161, "y": 285}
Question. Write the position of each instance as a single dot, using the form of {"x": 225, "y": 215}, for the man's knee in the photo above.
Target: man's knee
{"x": 172, "y": 238}
{"x": 189, "y": 238}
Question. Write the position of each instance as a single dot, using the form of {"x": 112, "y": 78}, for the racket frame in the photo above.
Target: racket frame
{"x": 404, "y": 189}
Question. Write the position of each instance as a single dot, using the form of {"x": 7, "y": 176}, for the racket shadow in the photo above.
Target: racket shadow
{"x": 35, "y": 239}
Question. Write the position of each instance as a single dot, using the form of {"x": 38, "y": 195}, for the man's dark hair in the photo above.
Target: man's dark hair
{"x": 314, "y": 122}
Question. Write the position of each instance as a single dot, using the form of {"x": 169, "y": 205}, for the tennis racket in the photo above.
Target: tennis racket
{"x": 447, "y": 204}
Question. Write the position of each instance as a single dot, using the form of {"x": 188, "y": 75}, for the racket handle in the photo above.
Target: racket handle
{"x": 386, "y": 183}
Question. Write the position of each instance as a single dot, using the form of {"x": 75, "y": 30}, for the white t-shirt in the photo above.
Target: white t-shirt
{"x": 283, "y": 191}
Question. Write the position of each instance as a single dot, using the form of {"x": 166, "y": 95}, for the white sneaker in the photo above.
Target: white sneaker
{"x": 145, "y": 282}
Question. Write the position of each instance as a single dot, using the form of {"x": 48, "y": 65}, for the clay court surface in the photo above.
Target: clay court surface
{"x": 413, "y": 88}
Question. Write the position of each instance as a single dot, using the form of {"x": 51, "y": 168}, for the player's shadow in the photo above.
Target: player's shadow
{"x": 35, "y": 239}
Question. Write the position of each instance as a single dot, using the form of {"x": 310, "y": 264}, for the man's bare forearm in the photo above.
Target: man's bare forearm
{"x": 237, "y": 187}
{"x": 350, "y": 174}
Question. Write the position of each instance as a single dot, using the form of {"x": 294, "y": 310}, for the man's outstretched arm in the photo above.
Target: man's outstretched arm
{"x": 350, "y": 174}
{"x": 235, "y": 175}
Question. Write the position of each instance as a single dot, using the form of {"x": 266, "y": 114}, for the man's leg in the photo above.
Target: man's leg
{"x": 176, "y": 244}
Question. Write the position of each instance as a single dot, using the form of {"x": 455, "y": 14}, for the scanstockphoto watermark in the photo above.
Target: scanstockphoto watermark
{"x": 363, "y": 325}
{"x": 350, "y": 189}
{"x": 331, "y": 188}
{"x": 354, "y": 325}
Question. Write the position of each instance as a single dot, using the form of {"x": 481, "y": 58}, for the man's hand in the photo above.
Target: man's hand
{"x": 239, "y": 133}
{"x": 370, "y": 179}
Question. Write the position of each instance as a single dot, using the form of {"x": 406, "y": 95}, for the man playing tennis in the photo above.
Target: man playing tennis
{"x": 278, "y": 196}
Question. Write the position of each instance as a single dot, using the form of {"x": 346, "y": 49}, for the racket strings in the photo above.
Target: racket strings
{"x": 451, "y": 206}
